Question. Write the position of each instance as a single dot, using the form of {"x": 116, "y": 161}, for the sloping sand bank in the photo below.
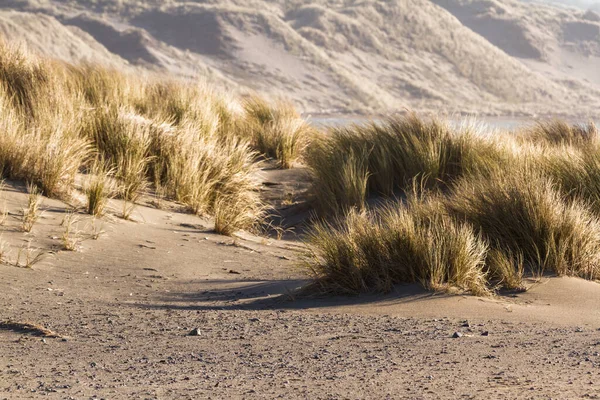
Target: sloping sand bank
{"x": 123, "y": 307}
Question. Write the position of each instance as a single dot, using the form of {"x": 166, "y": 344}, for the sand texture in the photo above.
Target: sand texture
{"x": 115, "y": 319}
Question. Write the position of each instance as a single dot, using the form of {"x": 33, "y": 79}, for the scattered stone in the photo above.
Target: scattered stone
{"x": 195, "y": 332}
{"x": 457, "y": 335}
{"x": 232, "y": 271}
{"x": 485, "y": 333}
{"x": 253, "y": 319}
{"x": 466, "y": 324}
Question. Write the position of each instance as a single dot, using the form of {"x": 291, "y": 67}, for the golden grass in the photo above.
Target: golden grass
{"x": 525, "y": 213}
{"x": 31, "y": 214}
{"x": 98, "y": 187}
{"x": 191, "y": 142}
{"x": 277, "y": 131}
{"x": 71, "y": 236}
{"x": 418, "y": 242}
{"x": 388, "y": 156}
{"x": 559, "y": 132}
{"x": 532, "y": 200}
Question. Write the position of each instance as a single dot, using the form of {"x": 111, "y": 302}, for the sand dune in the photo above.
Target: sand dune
{"x": 499, "y": 57}
{"x": 123, "y": 308}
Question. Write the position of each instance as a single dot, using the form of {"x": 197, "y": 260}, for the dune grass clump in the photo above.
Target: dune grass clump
{"x": 22, "y": 76}
{"x": 187, "y": 139}
{"x": 559, "y": 132}
{"x": 31, "y": 213}
{"x": 390, "y": 155}
{"x": 276, "y": 131}
{"x": 40, "y": 141}
{"x": 576, "y": 172}
{"x": 100, "y": 86}
{"x": 212, "y": 175}
{"x": 418, "y": 242}
{"x": 98, "y": 187}
{"x": 340, "y": 176}
{"x": 525, "y": 214}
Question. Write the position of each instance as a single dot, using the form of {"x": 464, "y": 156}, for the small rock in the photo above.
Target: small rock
{"x": 195, "y": 332}
{"x": 457, "y": 335}
{"x": 232, "y": 271}
{"x": 466, "y": 324}
{"x": 253, "y": 319}
{"x": 485, "y": 333}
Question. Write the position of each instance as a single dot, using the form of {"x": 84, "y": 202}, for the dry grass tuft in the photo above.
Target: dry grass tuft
{"x": 28, "y": 256}
{"x": 389, "y": 156}
{"x": 525, "y": 214}
{"x": 22, "y": 75}
{"x": 276, "y": 131}
{"x": 559, "y": 132}
{"x": 418, "y": 242}
{"x": 31, "y": 214}
{"x": 71, "y": 237}
{"x": 98, "y": 187}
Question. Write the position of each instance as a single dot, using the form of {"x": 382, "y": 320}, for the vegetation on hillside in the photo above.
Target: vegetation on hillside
{"x": 197, "y": 146}
{"x": 464, "y": 209}
{"x": 406, "y": 199}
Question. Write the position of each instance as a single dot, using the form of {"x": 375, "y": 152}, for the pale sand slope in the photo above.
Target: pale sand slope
{"x": 493, "y": 57}
{"x": 126, "y": 302}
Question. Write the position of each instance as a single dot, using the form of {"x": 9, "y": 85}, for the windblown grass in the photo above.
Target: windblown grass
{"x": 98, "y": 187}
{"x": 418, "y": 242}
{"x": 276, "y": 131}
{"x": 526, "y": 214}
{"x": 186, "y": 138}
{"x": 532, "y": 200}
{"x": 22, "y": 76}
{"x": 351, "y": 163}
{"x": 31, "y": 214}
{"x": 559, "y": 132}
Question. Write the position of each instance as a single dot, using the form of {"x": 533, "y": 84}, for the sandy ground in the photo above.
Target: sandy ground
{"x": 123, "y": 307}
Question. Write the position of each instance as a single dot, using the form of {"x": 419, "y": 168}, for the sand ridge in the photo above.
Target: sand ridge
{"x": 458, "y": 56}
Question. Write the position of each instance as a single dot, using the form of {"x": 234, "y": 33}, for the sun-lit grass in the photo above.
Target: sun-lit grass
{"x": 98, "y": 187}
{"x": 31, "y": 213}
{"x": 71, "y": 236}
{"x": 277, "y": 131}
{"x": 406, "y": 199}
{"x": 187, "y": 139}
{"x": 533, "y": 198}
{"x": 418, "y": 242}
{"x": 525, "y": 214}
{"x": 559, "y": 132}
{"x": 390, "y": 155}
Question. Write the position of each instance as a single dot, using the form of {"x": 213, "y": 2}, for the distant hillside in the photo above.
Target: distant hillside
{"x": 486, "y": 56}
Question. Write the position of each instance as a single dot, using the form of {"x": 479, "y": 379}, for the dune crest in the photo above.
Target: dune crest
{"x": 494, "y": 57}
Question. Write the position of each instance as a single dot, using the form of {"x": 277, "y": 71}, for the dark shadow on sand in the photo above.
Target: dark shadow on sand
{"x": 277, "y": 295}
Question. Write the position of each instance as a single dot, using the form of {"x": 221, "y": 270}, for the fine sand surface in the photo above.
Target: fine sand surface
{"x": 484, "y": 57}
{"x": 123, "y": 307}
